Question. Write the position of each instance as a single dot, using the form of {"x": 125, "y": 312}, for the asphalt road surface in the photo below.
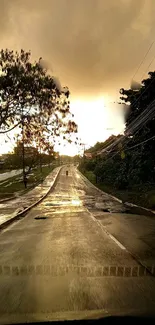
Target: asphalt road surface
{"x": 59, "y": 261}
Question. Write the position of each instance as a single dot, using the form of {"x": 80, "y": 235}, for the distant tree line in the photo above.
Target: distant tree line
{"x": 32, "y": 158}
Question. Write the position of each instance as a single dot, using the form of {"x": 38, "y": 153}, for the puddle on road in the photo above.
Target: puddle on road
{"x": 53, "y": 204}
{"x": 103, "y": 204}
{"x": 90, "y": 202}
{"x": 40, "y": 218}
{"x": 111, "y": 208}
{"x": 72, "y": 202}
{"x": 80, "y": 192}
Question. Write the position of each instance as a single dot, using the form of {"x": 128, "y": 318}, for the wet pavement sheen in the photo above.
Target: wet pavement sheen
{"x": 60, "y": 258}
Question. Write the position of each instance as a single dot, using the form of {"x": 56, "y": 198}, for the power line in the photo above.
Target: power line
{"x": 137, "y": 71}
{"x": 148, "y": 67}
{"x": 143, "y": 59}
{"x": 112, "y": 156}
{"x": 140, "y": 120}
{"x": 144, "y": 114}
{"x": 111, "y": 145}
{"x": 153, "y": 79}
{"x": 138, "y": 144}
{"x": 129, "y": 148}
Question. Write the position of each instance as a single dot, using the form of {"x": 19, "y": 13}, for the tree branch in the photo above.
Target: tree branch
{"x": 3, "y": 132}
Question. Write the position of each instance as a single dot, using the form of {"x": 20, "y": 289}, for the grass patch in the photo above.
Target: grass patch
{"x": 91, "y": 176}
{"x": 14, "y": 185}
{"x": 141, "y": 196}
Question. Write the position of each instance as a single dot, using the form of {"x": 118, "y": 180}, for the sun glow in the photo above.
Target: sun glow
{"x": 85, "y": 113}
{"x": 67, "y": 149}
{"x": 96, "y": 119}
{"x": 6, "y": 145}
{"x": 76, "y": 202}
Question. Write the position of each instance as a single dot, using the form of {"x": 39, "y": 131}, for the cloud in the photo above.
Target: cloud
{"x": 93, "y": 46}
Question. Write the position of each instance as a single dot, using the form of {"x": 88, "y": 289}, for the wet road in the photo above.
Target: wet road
{"x": 59, "y": 261}
{"x": 9, "y": 209}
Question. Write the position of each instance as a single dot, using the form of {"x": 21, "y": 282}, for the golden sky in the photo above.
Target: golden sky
{"x": 92, "y": 46}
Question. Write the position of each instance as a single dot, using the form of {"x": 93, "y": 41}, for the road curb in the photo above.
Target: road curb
{"x": 24, "y": 192}
{"x": 22, "y": 213}
{"x": 133, "y": 208}
{"x": 136, "y": 209}
{"x": 113, "y": 197}
{"x": 7, "y": 199}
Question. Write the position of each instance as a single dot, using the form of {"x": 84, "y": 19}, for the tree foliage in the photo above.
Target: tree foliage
{"x": 29, "y": 95}
{"x": 33, "y": 102}
{"x": 132, "y": 163}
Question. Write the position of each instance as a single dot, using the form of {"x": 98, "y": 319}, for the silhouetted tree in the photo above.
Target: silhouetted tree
{"x": 33, "y": 102}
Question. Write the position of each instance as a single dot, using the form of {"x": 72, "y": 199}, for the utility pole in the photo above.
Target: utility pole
{"x": 83, "y": 144}
{"x": 23, "y": 152}
{"x": 96, "y": 163}
{"x": 41, "y": 170}
{"x": 49, "y": 160}
{"x": 49, "y": 165}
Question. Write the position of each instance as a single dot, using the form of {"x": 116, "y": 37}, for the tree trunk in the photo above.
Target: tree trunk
{"x": 41, "y": 170}
{"x": 49, "y": 164}
{"x": 23, "y": 154}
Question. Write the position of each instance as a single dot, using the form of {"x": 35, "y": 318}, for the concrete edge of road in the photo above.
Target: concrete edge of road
{"x": 23, "y": 212}
{"x": 136, "y": 209}
{"x": 113, "y": 197}
{"x": 16, "y": 197}
{"x": 133, "y": 208}
{"x": 7, "y": 199}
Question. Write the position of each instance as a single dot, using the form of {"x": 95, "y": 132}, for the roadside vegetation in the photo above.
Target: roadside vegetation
{"x": 13, "y": 186}
{"x": 125, "y": 165}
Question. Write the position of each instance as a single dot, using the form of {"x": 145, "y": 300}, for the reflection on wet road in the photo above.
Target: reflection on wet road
{"x": 59, "y": 259}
